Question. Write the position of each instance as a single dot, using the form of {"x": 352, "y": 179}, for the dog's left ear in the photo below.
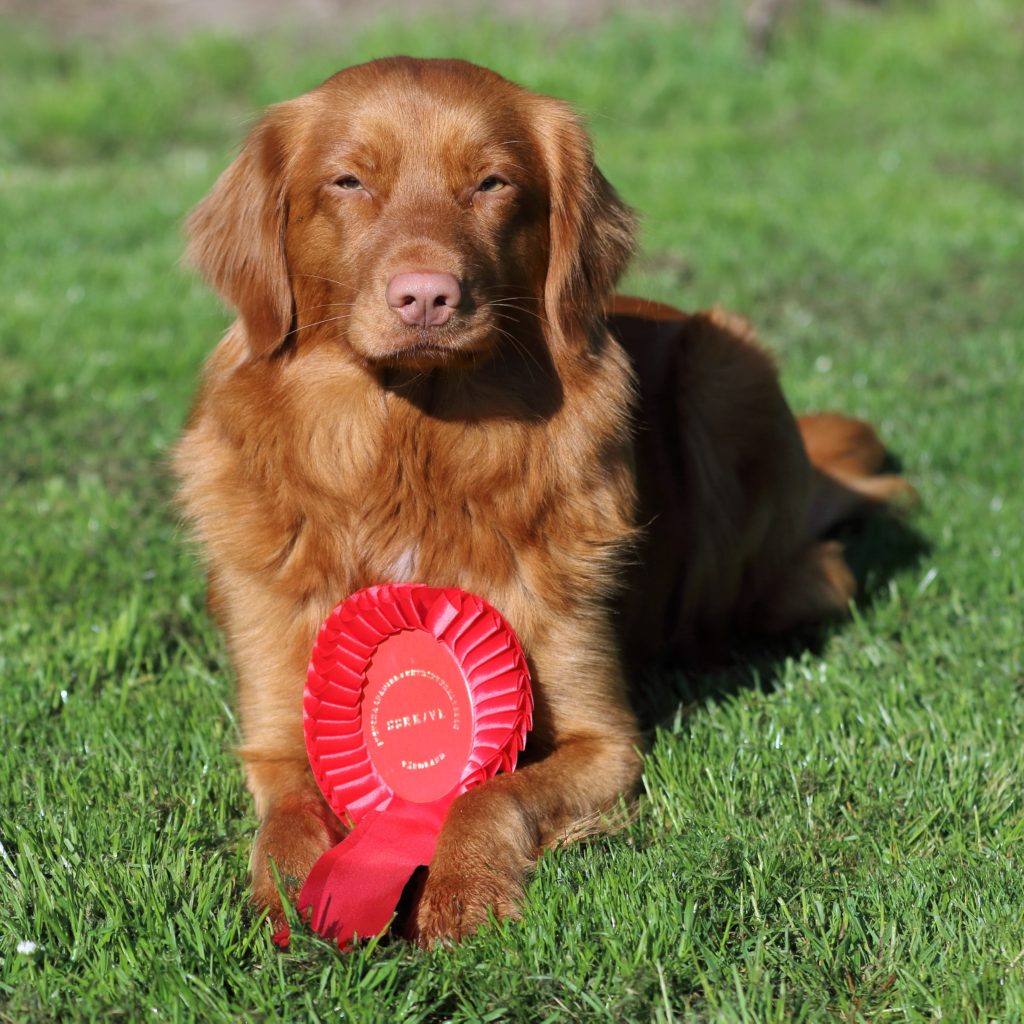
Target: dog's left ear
{"x": 592, "y": 231}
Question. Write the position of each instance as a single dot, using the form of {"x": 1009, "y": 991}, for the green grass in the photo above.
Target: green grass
{"x": 825, "y": 835}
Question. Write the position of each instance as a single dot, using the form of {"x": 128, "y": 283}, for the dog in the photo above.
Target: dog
{"x": 430, "y": 379}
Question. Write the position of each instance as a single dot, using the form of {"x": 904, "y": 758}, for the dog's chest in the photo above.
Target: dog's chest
{"x": 444, "y": 515}
{"x": 508, "y": 509}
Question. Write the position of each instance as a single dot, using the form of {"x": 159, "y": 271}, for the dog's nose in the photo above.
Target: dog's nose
{"x": 423, "y": 298}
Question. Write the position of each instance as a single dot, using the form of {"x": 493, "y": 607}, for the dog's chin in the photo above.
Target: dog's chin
{"x": 423, "y": 350}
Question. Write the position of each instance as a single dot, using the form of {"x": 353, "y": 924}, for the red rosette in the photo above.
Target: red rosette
{"x": 413, "y": 695}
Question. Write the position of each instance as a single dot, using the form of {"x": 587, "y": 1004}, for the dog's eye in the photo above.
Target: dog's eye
{"x": 492, "y": 183}
{"x": 349, "y": 182}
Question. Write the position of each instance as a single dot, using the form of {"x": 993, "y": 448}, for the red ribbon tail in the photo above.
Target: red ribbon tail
{"x": 354, "y": 888}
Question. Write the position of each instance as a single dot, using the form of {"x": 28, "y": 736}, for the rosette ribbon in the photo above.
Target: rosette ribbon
{"x": 413, "y": 695}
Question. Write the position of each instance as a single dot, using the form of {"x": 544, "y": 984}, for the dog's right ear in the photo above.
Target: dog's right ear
{"x": 237, "y": 235}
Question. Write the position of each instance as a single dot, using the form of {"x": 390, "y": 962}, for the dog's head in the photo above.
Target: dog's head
{"x": 415, "y": 212}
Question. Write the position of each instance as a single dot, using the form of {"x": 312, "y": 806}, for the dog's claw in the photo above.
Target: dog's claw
{"x": 451, "y": 907}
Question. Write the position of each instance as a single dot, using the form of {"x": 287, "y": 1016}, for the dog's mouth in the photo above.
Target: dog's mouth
{"x": 429, "y": 348}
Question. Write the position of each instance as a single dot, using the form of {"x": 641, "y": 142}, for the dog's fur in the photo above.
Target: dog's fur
{"x": 511, "y": 451}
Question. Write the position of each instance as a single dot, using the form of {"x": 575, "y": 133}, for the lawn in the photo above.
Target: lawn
{"x": 826, "y": 833}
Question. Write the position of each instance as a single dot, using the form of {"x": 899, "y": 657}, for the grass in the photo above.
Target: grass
{"x": 825, "y": 834}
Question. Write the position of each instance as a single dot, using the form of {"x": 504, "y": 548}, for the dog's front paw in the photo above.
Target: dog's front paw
{"x": 294, "y": 839}
{"x": 454, "y": 904}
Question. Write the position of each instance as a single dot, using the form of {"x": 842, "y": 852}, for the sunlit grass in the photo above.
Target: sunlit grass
{"x": 829, "y": 834}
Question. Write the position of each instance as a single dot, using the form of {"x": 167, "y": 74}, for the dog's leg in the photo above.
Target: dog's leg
{"x": 296, "y": 828}
{"x": 494, "y": 833}
{"x": 296, "y": 824}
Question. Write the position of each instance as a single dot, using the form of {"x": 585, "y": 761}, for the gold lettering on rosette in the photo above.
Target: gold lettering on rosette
{"x": 419, "y": 717}
{"x": 415, "y": 766}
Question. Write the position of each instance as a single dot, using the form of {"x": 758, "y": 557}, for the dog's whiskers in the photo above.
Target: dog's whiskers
{"x": 518, "y": 345}
{"x": 327, "y": 320}
{"x": 329, "y": 280}
{"x": 511, "y": 304}
{"x": 323, "y": 305}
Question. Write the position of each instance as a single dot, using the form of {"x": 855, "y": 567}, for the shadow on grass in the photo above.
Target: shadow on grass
{"x": 876, "y": 549}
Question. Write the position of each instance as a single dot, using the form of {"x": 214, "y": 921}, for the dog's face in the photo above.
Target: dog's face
{"x": 419, "y": 205}
{"x": 416, "y": 213}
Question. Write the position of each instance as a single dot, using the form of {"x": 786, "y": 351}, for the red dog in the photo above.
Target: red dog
{"x": 428, "y": 382}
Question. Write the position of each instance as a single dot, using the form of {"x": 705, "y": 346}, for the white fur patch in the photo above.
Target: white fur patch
{"x": 403, "y": 568}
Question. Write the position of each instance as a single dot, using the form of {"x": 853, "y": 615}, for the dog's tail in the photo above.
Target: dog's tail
{"x": 848, "y": 457}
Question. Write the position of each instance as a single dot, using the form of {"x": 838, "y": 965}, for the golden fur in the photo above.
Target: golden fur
{"x": 333, "y": 446}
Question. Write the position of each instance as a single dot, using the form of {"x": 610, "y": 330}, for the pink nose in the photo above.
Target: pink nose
{"x": 423, "y": 298}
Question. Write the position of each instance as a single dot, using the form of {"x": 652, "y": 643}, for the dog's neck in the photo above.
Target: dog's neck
{"x": 508, "y": 385}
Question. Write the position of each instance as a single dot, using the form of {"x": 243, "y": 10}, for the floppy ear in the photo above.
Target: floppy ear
{"x": 592, "y": 231}
{"x": 237, "y": 236}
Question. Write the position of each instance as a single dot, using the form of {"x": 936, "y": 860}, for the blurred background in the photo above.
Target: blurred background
{"x": 313, "y": 16}
{"x": 249, "y": 17}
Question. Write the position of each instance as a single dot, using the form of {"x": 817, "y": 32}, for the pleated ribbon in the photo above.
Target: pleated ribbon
{"x": 413, "y": 695}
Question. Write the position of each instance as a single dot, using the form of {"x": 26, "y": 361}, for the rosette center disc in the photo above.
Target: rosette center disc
{"x": 417, "y": 716}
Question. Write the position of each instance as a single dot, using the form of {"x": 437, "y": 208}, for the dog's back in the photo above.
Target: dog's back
{"x": 736, "y": 495}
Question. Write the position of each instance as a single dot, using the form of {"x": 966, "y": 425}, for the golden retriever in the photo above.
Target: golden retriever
{"x": 430, "y": 381}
